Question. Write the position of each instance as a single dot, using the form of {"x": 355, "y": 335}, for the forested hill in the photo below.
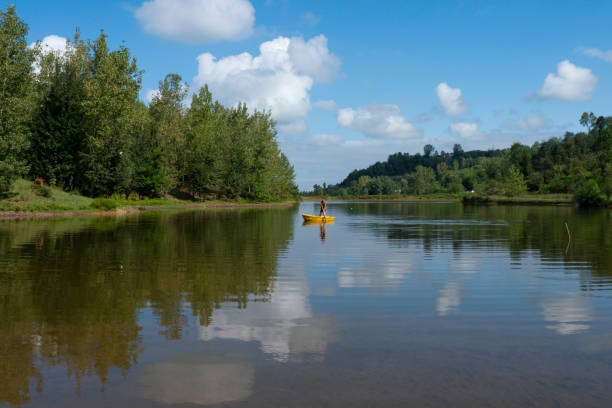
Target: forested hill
{"x": 565, "y": 164}
{"x": 74, "y": 120}
{"x": 399, "y": 163}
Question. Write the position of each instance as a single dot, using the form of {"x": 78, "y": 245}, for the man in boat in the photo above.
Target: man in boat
{"x": 323, "y": 211}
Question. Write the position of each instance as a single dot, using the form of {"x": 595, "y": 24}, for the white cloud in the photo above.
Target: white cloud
{"x": 151, "y": 94}
{"x": 50, "y": 44}
{"x": 275, "y": 80}
{"x": 329, "y": 105}
{"x": 297, "y": 127}
{"x": 323, "y": 139}
{"x": 312, "y": 58}
{"x": 197, "y": 21}
{"x": 570, "y": 83}
{"x": 379, "y": 121}
{"x": 604, "y": 55}
{"x": 450, "y": 99}
{"x": 467, "y": 130}
{"x": 532, "y": 122}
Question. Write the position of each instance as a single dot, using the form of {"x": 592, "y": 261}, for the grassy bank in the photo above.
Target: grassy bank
{"x": 390, "y": 197}
{"x": 524, "y": 199}
{"x": 28, "y": 199}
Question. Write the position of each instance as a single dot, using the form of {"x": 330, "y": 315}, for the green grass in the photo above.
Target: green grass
{"x": 23, "y": 197}
{"x": 26, "y": 196}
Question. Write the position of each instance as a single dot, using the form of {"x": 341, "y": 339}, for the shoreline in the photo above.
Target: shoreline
{"x": 127, "y": 210}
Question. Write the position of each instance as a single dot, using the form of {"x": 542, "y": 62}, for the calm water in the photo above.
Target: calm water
{"x": 395, "y": 304}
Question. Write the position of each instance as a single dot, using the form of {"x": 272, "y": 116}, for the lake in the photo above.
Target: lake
{"x": 394, "y": 304}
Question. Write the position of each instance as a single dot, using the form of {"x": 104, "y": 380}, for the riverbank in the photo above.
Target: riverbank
{"x": 27, "y": 200}
{"x": 524, "y": 199}
{"x": 389, "y": 197}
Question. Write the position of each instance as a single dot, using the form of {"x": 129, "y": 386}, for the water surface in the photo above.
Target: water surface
{"x": 394, "y": 304}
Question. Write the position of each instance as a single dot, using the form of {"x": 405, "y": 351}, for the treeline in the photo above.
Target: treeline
{"x": 577, "y": 163}
{"x": 75, "y": 120}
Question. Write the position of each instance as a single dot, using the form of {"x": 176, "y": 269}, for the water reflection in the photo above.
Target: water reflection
{"x": 74, "y": 301}
{"x": 196, "y": 381}
{"x": 569, "y": 314}
{"x": 400, "y": 289}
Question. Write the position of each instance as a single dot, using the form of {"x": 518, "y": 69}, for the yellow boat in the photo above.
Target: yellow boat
{"x": 316, "y": 218}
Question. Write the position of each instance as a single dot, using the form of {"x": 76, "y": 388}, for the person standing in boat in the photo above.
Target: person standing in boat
{"x": 323, "y": 211}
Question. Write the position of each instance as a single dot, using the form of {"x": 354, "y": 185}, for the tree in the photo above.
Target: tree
{"x": 149, "y": 179}
{"x": 589, "y": 195}
{"x": 520, "y": 156}
{"x": 607, "y": 181}
{"x": 57, "y": 132}
{"x": 515, "y": 182}
{"x": 111, "y": 96}
{"x": 427, "y": 150}
{"x": 457, "y": 150}
{"x": 15, "y": 96}
{"x": 167, "y": 113}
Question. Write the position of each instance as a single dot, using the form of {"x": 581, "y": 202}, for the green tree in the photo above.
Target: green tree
{"x": 57, "y": 132}
{"x": 589, "y": 195}
{"x": 15, "y": 96}
{"x": 112, "y": 92}
{"x": 167, "y": 113}
{"x": 607, "y": 181}
{"x": 515, "y": 182}
{"x": 149, "y": 178}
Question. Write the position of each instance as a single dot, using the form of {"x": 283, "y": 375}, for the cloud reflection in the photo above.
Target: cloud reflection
{"x": 568, "y": 314}
{"x": 283, "y": 325}
{"x": 449, "y": 298}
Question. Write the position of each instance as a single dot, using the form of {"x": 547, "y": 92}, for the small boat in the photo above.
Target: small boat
{"x": 317, "y": 218}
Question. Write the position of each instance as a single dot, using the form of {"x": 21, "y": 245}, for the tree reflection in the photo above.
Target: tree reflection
{"x": 71, "y": 290}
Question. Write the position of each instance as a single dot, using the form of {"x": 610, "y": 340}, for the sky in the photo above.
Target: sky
{"x": 351, "y": 82}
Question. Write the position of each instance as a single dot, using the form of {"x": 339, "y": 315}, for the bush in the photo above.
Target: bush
{"x": 589, "y": 195}
{"x": 475, "y": 199}
{"x": 41, "y": 191}
{"x": 105, "y": 204}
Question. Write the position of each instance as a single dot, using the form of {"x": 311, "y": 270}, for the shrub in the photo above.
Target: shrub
{"x": 589, "y": 195}
{"x": 41, "y": 191}
{"x": 475, "y": 199}
{"x": 105, "y": 204}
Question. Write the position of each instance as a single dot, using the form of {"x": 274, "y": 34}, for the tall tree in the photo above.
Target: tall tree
{"x": 167, "y": 114}
{"x": 112, "y": 93}
{"x": 15, "y": 96}
{"x": 57, "y": 132}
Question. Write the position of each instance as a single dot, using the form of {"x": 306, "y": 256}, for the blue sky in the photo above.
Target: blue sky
{"x": 351, "y": 82}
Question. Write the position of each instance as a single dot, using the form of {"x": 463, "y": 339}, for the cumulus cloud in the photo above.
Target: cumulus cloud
{"x": 597, "y": 53}
{"x": 276, "y": 80}
{"x": 467, "y": 130}
{"x": 329, "y": 105}
{"x": 570, "y": 83}
{"x": 450, "y": 99}
{"x": 379, "y": 121}
{"x": 323, "y": 139}
{"x": 312, "y": 58}
{"x": 50, "y": 44}
{"x": 197, "y": 21}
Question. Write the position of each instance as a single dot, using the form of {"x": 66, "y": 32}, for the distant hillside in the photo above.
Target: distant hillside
{"x": 399, "y": 164}
{"x": 577, "y": 163}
